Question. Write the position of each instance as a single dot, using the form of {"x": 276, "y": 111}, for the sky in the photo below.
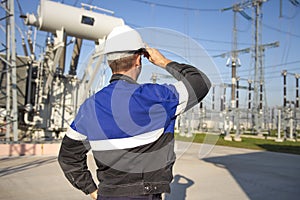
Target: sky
{"x": 203, "y": 22}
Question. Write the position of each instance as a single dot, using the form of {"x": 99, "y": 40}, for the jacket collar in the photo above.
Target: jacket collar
{"x": 116, "y": 77}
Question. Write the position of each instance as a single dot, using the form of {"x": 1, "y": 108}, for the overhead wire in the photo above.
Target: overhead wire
{"x": 20, "y": 8}
{"x": 201, "y": 39}
{"x": 270, "y": 66}
{"x": 280, "y": 31}
{"x": 178, "y": 7}
{"x": 295, "y": 2}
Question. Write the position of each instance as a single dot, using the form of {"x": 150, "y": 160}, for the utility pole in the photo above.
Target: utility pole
{"x": 258, "y": 54}
{"x": 236, "y": 8}
{"x": 234, "y": 112}
{"x": 234, "y": 60}
{"x": 256, "y": 114}
{"x": 258, "y": 83}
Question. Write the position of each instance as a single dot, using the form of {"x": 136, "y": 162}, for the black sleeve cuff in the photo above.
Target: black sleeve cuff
{"x": 195, "y": 81}
{"x": 90, "y": 188}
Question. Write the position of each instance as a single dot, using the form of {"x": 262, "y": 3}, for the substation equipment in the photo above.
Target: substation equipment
{"x": 48, "y": 100}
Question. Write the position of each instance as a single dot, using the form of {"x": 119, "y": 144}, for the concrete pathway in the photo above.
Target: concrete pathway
{"x": 223, "y": 173}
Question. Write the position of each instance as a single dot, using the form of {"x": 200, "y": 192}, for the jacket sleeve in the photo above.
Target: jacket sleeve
{"x": 193, "y": 85}
{"x": 72, "y": 159}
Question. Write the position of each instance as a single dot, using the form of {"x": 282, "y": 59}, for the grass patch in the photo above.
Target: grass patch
{"x": 248, "y": 143}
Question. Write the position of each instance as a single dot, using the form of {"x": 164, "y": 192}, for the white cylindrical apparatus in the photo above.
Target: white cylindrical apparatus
{"x": 77, "y": 22}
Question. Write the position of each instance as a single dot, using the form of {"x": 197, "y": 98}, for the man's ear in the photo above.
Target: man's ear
{"x": 137, "y": 59}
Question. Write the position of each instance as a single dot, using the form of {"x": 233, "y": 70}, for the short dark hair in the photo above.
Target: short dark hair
{"x": 122, "y": 64}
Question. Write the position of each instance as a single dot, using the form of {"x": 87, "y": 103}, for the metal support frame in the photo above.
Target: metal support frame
{"x": 58, "y": 48}
{"x": 290, "y": 119}
{"x": 279, "y": 138}
{"x": 11, "y": 75}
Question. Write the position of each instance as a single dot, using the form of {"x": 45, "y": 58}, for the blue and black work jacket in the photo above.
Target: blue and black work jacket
{"x": 130, "y": 129}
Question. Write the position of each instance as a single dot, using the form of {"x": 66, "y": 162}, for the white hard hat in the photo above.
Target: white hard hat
{"x": 122, "y": 39}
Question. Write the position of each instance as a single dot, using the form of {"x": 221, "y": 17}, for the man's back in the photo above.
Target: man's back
{"x": 124, "y": 110}
{"x": 131, "y": 136}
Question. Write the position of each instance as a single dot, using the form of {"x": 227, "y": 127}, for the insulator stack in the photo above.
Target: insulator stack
{"x": 261, "y": 96}
{"x": 237, "y": 93}
{"x": 249, "y": 95}
{"x": 284, "y": 73}
{"x": 297, "y": 90}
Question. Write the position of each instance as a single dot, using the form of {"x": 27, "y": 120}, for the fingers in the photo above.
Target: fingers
{"x": 156, "y": 57}
{"x": 94, "y": 194}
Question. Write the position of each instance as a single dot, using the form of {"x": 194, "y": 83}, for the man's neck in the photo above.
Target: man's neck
{"x": 130, "y": 73}
{"x": 117, "y": 77}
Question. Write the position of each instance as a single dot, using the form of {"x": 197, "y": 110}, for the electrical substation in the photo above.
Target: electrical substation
{"x": 38, "y": 100}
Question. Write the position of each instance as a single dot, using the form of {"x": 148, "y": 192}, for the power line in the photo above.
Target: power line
{"x": 295, "y": 2}
{"x": 280, "y": 31}
{"x": 269, "y": 66}
{"x": 282, "y": 64}
{"x": 219, "y": 41}
{"x": 177, "y": 7}
{"x": 275, "y": 65}
{"x": 200, "y": 39}
{"x": 20, "y": 8}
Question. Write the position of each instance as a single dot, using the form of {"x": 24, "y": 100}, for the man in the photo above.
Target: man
{"x": 128, "y": 126}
